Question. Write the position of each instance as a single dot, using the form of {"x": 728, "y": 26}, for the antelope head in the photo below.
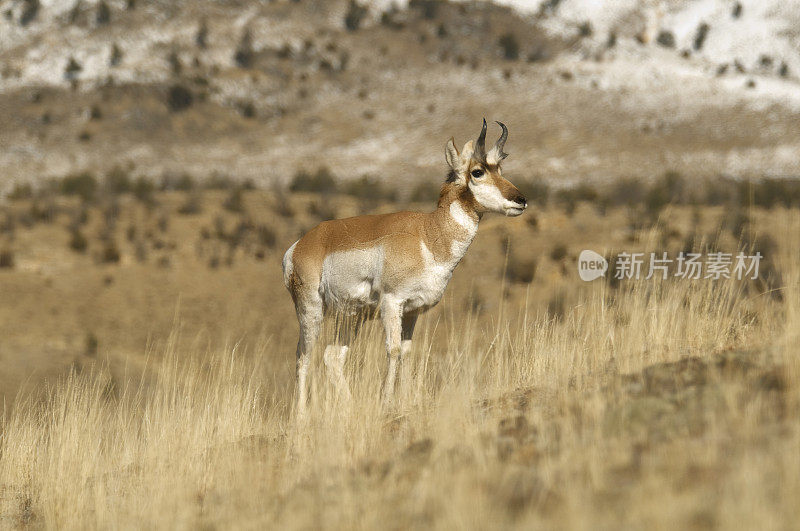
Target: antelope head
{"x": 479, "y": 171}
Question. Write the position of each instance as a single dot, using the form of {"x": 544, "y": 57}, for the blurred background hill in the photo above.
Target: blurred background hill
{"x": 261, "y": 90}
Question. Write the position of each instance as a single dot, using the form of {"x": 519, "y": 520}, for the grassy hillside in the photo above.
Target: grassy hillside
{"x": 153, "y": 341}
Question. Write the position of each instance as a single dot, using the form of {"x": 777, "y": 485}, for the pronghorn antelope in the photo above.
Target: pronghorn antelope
{"x": 398, "y": 264}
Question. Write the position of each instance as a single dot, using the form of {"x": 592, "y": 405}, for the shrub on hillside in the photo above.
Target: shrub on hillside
{"x": 179, "y": 98}
{"x": 6, "y": 259}
{"x": 103, "y": 14}
{"x": 118, "y": 181}
{"x": 521, "y": 271}
{"x": 536, "y": 190}
{"x": 425, "y": 191}
{"x": 84, "y": 185}
{"x": 627, "y": 191}
{"x": 110, "y": 253}
{"x": 30, "y": 10}
{"x": 143, "y": 188}
{"x": 558, "y": 253}
{"x": 354, "y": 16}
{"x": 508, "y": 43}
{"x": 193, "y": 204}
{"x": 77, "y": 241}
{"x": 321, "y": 182}
{"x": 245, "y": 55}
{"x": 428, "y": 9}
{"x": 21, "y": 191}
{"x": 369, "y": 187}
{"x": 235, "y": 201}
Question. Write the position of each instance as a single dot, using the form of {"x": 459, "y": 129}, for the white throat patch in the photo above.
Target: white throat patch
{"x": 462, "y": 218}
{"x": 458, "y": 248}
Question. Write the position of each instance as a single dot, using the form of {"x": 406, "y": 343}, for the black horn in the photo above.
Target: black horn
{"x": 501, "y": 142}
{"x": 480, "y": 145}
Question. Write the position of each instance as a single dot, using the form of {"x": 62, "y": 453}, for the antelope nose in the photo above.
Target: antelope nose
{"x": 521, "y": 200}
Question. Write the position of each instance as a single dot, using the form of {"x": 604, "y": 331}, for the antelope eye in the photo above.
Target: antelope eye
{"x": 477, "y": 173}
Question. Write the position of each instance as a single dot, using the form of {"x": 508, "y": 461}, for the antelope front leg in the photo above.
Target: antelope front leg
{"x": 391, "y": 315}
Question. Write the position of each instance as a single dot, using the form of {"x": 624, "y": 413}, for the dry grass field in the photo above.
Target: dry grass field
{"x": 147, "y": 345}
{"x": 157, "y": 157}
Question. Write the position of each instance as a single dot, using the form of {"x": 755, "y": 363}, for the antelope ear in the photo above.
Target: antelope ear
{"x": 451, "y": 154}
{"x": 469, "y": 149}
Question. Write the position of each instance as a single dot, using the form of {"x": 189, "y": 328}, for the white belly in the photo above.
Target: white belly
{"x": 351, "y": 279}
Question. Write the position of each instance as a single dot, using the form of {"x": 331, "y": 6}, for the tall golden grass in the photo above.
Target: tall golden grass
{"x": 667, "y": 404}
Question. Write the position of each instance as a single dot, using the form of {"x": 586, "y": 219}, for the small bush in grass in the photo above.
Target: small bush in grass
{"x": 235, "y": 201}
{"x": 700, "y": 36}
{"x": 368, "y": 187}
{"x": 8, "y": 225}
{"x": 558, "y": 253}
{"x": 84, "y": 185}
{"x": 183, "y": 182}
{"x": 320, "y": 182}
{"x": 193, "y": 204}
{"x": 115, "y": 58}
{"x": 569, "y": 197}
{"x": 627, "y": 191}
{"x": 718, "y": 191}
{"x": 90, "y": 345}
{"x": 428, "y": 9}
{"x": 557, "y": 306}
{"x": 770, "y": 192}
{"x": 72, "y": 69}
{"x": 245, "y": 55}
{"x": 77, "y": 241}
{"x": 669, "y": 189}
{"x": 163, "y": 222}
{"x": 284, "y": 208}
{"x": 521, "y": 270}
{"x": 6, "y": 259}
{"x": 266, "y": 236}
{"x": 179, "y": 98}
{"x": 535, "y": 190}
{"x": 140, "y": 251}
{"x": 738, "y": 222}
{"x": 201, "y": 37}
{"x": 110, "y": 253}
{"x": 143, "y": 188}
{"x": 118, "y": 181}
{"x": 508, "y": 43}
{"x": 21, "y": 191}
{"x": 354, "y": 16}
{"x": 103, "y": 14}
{"x": 666, "y": 39}
{"x": 425, "y": 191}
{"x": 30, "y": 10}
{"x": 390, "y": 18}
{"x": 218, "y": 181}
{"x": 322, "y": 210}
